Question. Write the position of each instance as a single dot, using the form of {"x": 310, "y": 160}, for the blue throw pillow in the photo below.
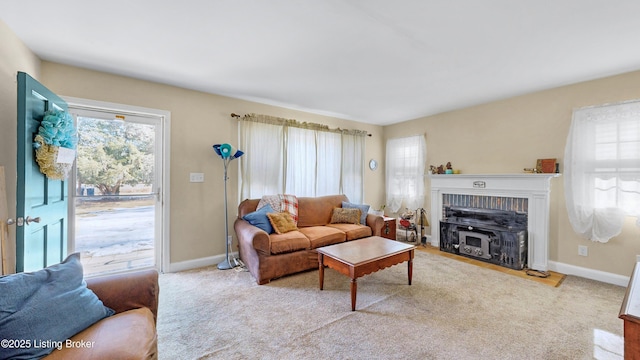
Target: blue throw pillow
{"x": 364, "y": 210}
{"x": 40, "y": 310}
{"x": 259, "y": 218}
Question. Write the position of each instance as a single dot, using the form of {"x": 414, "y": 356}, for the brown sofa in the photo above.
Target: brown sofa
{"x": 131, "y": 332}
{"x": 270, "y": 256}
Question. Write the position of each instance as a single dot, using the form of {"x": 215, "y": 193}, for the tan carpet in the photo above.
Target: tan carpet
{"x": 453, "y": 310}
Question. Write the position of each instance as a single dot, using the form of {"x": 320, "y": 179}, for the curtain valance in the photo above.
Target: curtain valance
{"x": 273, "y": 120}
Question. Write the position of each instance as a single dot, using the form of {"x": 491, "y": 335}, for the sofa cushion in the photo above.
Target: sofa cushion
{"x": 282, "y": 222}
{"x": 353, "y": 231}
{"x": 46, "y": 307}
{"x": 288, "y": 242}
{"x": 260, "y": 219}
{"x": 127, "y": 335}
{"x": 345, "y": 216}
{"x": 323, "y": 235}
{"x": 316, "y": 211}
{"x": 364, "y": 210}
{"x": 280, "y": 203}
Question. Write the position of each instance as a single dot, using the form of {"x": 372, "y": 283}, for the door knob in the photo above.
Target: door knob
{"x": 29, "y": 220}
{"x": 18, "y": 222}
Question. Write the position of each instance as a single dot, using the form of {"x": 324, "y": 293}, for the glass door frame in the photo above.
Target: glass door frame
{"x": 162, "y": 209}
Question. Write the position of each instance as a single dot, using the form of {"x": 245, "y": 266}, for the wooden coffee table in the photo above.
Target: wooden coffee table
{"x": 361, "y": 257}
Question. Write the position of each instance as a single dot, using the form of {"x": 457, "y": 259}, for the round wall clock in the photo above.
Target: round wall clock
{"x": 373, "y": 164}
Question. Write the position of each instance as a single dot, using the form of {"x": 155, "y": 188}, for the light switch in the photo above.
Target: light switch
{"x": 196, "y": 177}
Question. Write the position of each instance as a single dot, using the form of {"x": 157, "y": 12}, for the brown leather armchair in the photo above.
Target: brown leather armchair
{"x": 131, "y": 332}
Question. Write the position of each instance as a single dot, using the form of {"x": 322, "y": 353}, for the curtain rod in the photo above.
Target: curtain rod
{"x": 234, "y": 115}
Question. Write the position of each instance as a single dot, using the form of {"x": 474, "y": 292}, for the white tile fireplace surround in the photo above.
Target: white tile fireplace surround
{"x": 533, "y": 190}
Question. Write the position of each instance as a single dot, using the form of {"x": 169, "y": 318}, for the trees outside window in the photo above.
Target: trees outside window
{"x": 114, "y": 153}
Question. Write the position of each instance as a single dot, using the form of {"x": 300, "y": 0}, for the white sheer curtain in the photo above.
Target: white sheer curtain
{"x": 262, "y": 172}
{"x": 284, "y": 156}
{"x": 301, "y": 152}
{"x": 405, "y": 168}
{"x": 602, "y": 169}
{"x": 327, "y": 163}
{"x": 353, "y": 167}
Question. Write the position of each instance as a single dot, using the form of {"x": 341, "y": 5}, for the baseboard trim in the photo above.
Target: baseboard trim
{"x": 587, "y": 273}
{"x": 198, "y": 263}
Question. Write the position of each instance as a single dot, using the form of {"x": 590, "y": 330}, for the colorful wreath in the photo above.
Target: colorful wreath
{"x": 55, "y": 144}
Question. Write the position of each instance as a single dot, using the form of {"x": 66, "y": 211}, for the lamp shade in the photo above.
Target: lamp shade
{"x": 227, "y": 151}
{"x": 423, "y": 218}
{"x": 238, "y": 153}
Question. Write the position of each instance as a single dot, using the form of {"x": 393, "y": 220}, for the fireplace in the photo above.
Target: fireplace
{"x": 491, "y": 235}
{"x": 526, "y": 194}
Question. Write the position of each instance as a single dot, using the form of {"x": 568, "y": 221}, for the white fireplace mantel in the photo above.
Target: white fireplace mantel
{"x": 534, "y": 187}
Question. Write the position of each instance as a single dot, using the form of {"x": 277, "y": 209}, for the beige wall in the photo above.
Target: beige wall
{"x": 509, "y": 135}
{"x": 14, "y": 57}
{"x": 198, "y": 120}
{"x": 500, "y": 137}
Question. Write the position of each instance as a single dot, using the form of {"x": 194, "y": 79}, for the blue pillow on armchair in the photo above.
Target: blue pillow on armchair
{"x": 40, "y": 310}
{"x": 259, "y": 218}
{"x": 364, "y": 210}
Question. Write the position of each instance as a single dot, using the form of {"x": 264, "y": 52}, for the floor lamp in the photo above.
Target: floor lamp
{"x": 227, "y": 153}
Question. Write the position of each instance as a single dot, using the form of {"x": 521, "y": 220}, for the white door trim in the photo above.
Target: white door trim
{"x": 163, "y": 254}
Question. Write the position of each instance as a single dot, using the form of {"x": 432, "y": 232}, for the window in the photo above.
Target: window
{"x": 602, "y": 170}
{"x": 284, "y": 156}
{"x": 405, "y": 164}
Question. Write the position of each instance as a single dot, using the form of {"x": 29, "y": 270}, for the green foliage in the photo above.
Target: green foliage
{"x": 113, "y": 153}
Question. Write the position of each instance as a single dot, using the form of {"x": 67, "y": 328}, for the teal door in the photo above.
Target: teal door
{"x": 41, "y": 209}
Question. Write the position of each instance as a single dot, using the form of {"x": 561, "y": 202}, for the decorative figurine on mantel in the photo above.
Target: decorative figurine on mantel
{"x": 449, "y": 169}
{"x": 441, "y": 169}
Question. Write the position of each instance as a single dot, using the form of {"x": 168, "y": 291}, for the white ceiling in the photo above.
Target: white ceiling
{"x": 373, "y": 61}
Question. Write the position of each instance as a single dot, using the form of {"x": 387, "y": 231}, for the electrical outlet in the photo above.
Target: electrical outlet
{"x": 196, "y": 177}
{"x": 229, "y": 239}
{"x": 583, "y": 250}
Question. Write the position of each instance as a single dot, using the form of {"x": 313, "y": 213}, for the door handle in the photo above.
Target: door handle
{"x": 29, "y": 220}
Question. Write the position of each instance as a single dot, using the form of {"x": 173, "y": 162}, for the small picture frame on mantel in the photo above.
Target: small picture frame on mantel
{"x": 546, "y": 166}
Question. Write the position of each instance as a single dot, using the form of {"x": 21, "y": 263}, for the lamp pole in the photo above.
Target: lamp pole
{"x": 227, "y": 153}
{"x": 226, "y": 264}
